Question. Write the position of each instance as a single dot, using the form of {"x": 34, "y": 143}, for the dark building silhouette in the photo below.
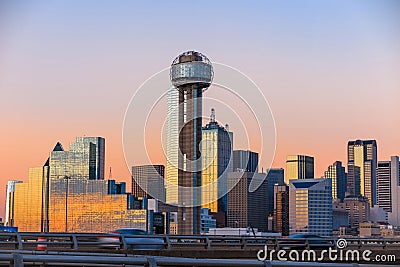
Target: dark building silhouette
{"x": 245, "y": 160}
{"x": 148, "y": 181}
{"x": 281, "y": 209}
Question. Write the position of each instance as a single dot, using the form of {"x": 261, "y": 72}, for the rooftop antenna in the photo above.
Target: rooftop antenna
{"x": 212, "y": 116}
{"x": 110, "y": 175}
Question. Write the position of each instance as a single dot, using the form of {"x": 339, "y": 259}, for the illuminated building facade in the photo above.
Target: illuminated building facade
{"x": 337, "y": 174}
{"x": 363, "y": 154}
{"x": 299, "y": 167}
{"x": 281, "y": 209}
{"x": 58, "y": 198}
{"x": 9, "y": 220}
{"x": 217, "y": 144}
{"x": 310, "y": 206}
{"x": 191, "y": 73}
{"x": 31, "y": 202}
{"x": 172, "y": 146}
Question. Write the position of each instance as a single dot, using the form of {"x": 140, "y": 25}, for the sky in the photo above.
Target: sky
{"x": 329, "y": 70}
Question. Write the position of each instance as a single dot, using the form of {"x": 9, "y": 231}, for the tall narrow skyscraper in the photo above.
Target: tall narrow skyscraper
{"x": 388, "y": 188}
{"x": 9, "y": 221}
{"x": 383, "y": 185}
{"x": 337, "y": 173}
{"x": 216, "y": 151}
{"x": 299, "y": 167}
{"x": 191, "y": 73}
{"x": 275, "y": 176}
{"x": 172, "y": 146}
{"x": 281, "y": 209}
{"x": 363, "y": 153}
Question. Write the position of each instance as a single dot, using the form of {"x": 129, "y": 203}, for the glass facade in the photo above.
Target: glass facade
{"x": 81, "y": 205}
{"x": 148, "y": 181}
{"x": 172, "y": 146}
{"x": 274, "y": 177}
{"x": 337, "y": 173}
{"x": 86, "y": 158}
{"x": 310, "y": 206}
{"x": 216, "y": 151}
{"x": 30, "y": 202}
{"x": 247, "y": 208}
{"x": 9, "y": 220}
{"x": 245, "y": 160}
{"x": 363, "y": 154}
{"x": 67, "y": 195}
{"x": 299, "y": 167}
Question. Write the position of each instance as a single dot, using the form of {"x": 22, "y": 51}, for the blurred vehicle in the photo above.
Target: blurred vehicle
{"x": 304, "y": 241}
{"x": 136, "y": 239}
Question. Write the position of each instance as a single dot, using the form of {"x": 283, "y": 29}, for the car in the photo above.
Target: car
{"x": 304, "y": 241}
{"x": 136, "y": 239}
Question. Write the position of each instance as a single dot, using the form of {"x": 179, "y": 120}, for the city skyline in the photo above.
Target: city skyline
{"x": 313, "y": 72}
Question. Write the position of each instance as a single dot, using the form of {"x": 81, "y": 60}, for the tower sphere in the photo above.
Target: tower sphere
{"x": 191, "y": 68}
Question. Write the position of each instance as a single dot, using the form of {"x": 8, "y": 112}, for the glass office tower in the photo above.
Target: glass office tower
{"x": 363, "y": 154}
{"x": 86, "y": 158}
{"x": 216, "y": 151}
{"x": 31, "y": 202}
{"x": 310, "y": 206}
{"x": 9, "y": 220}
{"x": 299, "y": 167}
{"x": 172, "y": 146}
{"x": 245, "y": 160}
{"x": 337, "y": 173}
{"x": 58, "y": 198}
{"x": 148, "y": 181}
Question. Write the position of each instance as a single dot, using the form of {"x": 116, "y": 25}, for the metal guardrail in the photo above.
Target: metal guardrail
{"x": 21, "y": 260}
{"x": 80, "y": 241}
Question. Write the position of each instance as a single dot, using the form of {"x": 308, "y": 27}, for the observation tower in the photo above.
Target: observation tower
{"x": 191, "y": 74}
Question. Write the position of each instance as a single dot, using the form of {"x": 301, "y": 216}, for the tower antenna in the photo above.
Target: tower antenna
{"x": 212, "y": 116}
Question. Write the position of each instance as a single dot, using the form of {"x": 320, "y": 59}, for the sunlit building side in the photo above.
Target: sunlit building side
{"x": 310, "y": 206}
{"x": 10, "y": 197}
{"x": 216, "y": 151}
{"x": 299, "y": 167}
{"x": 172, "y": 146}
{"x": 363, "y": 154}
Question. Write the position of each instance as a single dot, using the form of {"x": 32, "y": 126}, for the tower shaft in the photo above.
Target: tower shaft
{"x": 189, "y": 175}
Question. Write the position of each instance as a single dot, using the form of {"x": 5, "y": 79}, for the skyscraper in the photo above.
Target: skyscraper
{"x": 353, "y": 180}
{"x": 310, "y": 206}
{"x": 383, "y": 186}
{"x": 299, "y": 167}
{"x": 274, "y": 177}
{"x": 9, "y": 220}
{"x": 337, "y": 173}
{"x": 247, "y": 209}
{"x": 363, "y": 153}
{"x": 148, "y": 181}
{"x": 172, "y": 146}
{"x": 86, "y": 158}
{"x": 216, "y": 151}
{"x": 191, "y": 73}
{"x": 281, "y": 209}
{"x": 390, "y": 170}
{"x": 245, "y": 160}
{"x": 31, "y": 202}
